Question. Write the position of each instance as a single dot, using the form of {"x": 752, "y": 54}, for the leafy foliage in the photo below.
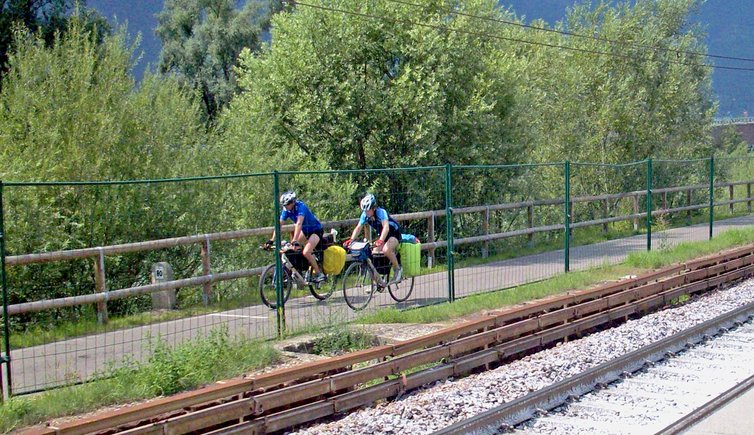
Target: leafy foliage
{"x": 72, "y": 111}
{"x": 201, "y": 40}
{"x": 358, "y": 93}
{"x": 47, "y": 18}
{"x": 399, "y": 86}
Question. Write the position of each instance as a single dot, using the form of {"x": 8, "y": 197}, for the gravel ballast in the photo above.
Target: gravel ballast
{"x": 444, "y": 403}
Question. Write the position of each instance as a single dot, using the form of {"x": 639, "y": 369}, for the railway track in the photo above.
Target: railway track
{"x": 299, "y": 395}
{"x": 663, "y": 388}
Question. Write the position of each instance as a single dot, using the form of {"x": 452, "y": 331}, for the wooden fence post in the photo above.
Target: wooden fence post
{"x": 730, "y": 191}
{"x": 748, "y": 196}
{"x": 605, "y": 215}
{"x": 486, "y": 230}
{"x": 530, "y": 222}
{"x": 688, "y": 204}
{"x": 206, "y": 269}
{"x": 431, "y": 236}
{"x": 101, "y": 284}
{"x": 635, "y": 204}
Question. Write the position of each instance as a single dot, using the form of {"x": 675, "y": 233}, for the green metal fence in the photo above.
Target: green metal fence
{"x": 86, "y": 266}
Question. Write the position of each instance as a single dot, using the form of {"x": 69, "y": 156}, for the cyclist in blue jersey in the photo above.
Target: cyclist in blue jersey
{"x": 307, "y": 230}
{"x": 387, "y": 227}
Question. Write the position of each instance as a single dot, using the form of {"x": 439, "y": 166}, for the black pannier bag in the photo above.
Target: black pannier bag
{"x": 382, "y": 263}
{"x": 298, "y": 260}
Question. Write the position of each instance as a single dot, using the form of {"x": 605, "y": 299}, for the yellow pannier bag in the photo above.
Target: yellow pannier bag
{"x": 335, "y": 259}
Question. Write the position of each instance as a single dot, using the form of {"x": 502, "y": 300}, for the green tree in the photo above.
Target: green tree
{"x": 358, "y": 93}
{"x": 71, "y": 111}
{"x": 201, "y": 40}
{"x": 645, "y": 98}
{"x": 45, "y": 17}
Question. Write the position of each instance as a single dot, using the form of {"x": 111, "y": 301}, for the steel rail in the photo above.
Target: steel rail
{"x": 522, "y": 409}
{"x": 497, "y": 336}
{"x": 455, "y": 367}
{"x": 708, "y": 408}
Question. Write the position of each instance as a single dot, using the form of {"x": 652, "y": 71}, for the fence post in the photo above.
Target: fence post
{"x": 449, "y": 230}
{"x": 101, "y": 283}
{"x": 730, "y": 206}
{"x": 688, "y": 204}
{"x": 4, "y": 359}
{"x": 486, "y": 230}
{"x": 431, "y": 237}
{"x": 206, "y": 269}
{"x": 280, "y": 309}
{"x": 635, "y": 204}
{"x": 748, "y": 196}
{"x": 530, "y": 222}
{"x": 649, "y": 204}
{"x": 566, "y": 217}
{"x": 711, "y": 194}
{"x": 605, "y": 215}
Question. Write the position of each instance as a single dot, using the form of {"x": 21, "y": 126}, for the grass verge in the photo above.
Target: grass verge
{"x": 167, "y": 371}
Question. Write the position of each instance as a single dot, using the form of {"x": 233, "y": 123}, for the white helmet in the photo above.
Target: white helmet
{"x": 287, "y": 198}
{"x": 368, "y": 202}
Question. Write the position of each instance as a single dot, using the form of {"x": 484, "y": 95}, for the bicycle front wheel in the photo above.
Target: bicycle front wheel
{"x": 402, "y": 290}
{"x": 357, "y": 285}
{"x": 267, "y": 286}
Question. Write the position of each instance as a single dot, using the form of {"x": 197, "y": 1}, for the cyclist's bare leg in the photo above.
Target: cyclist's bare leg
{"x": 389, "y": 250}
{"x": 309, "y": 249}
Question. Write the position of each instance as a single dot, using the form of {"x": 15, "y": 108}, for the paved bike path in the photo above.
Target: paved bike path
{"x": 61, "y": 362}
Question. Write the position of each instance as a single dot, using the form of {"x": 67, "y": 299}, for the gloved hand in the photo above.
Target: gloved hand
{"x": 296, "y": 245}
{"x": 379, "y": 243}
{"x": 347, "y": 243}
{"x": 268, "y": 244}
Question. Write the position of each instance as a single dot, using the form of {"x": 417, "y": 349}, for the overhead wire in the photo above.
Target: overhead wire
{"x": 503, "y": 38}
{"x": 579, "y": 35}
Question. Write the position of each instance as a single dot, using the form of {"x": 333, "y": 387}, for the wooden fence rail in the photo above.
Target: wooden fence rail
{"x": 102, "y": 296}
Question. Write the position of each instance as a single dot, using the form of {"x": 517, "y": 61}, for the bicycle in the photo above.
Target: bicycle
{"x": 363, "y": 278}
{"x": 296, "y": 269}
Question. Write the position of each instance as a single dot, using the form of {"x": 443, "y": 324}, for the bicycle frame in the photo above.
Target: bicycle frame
{"x": 376, "y": 276}
{"x": 295, "y": 274}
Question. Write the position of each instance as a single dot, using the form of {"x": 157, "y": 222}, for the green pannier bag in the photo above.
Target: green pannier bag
{"x": 410, "y": 258}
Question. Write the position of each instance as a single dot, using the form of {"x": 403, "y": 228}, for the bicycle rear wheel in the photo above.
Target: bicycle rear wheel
{"x": 357, "y": 285}
{"x": 267, "y": 286}
{"x": 402, "y": 290}
{"x": 325, "y": 289}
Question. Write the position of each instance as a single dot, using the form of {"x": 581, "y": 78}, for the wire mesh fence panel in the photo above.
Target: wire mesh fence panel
{"x": 608, "y": 213}
{"x": 508, "y": 225}
{"x": 85, "y": 303}
{"x": 101, "y": 274}
{"x": 734, "y": 177}
{"x": 413, "y": 200}
{"x": 680, "y": 198}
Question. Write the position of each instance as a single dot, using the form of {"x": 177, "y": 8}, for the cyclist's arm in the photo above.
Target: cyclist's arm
{"x": 355, "y": 232}
{"x": 282, "y": 222}
{"x": 297, "y": 228}
{"x": 385, "y": 230}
